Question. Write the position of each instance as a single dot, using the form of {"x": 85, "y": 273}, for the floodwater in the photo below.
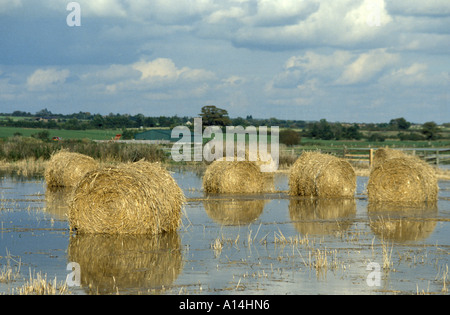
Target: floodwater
{"x": 264, "y": 244}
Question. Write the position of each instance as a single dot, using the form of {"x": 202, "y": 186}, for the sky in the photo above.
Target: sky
{"x": 341, "y": 60}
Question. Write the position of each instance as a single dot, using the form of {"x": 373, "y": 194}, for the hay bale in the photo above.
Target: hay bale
{"x": 65, "y": 169}
{"x": 134, "y": 198}
{"x": 223, "y": 177}
{"x": 383, "y": 154}
{"x": 403, "y": 179}
{"x": 321, "y": 175}
{"x": 264, "y": 160}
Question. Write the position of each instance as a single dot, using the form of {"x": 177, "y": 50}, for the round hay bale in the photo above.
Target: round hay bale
{"x": 223, "y": 177}
{"x": 404, "y": 179}
{"x": 65, "y": 169}
{"x": 265, "y": 161}
{"x": 321, "y": 175}
{"x": 383, "y": 154}
{"x": 135, "y": 198}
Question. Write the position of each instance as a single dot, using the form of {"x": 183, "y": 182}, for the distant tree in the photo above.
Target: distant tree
{"x": 352, "y": 132}
{"x": 239, "y": 122}
{"x": 289, "y": 137}
{"x": 399, "y": 124}
{"x": 376, "y": 137}
{"x": 128, "y": 134}
{"x": 413, "y": 136}
{"x": 430, "y": 130}
{"x": 44, "y": 113}
{"x": 43, "y": 135}
{"x": 322, "y": 130}
{"x": 214, "y": 116}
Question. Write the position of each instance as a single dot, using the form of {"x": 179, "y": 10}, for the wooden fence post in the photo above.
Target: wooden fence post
{"x": 370, "y": 157}
{"x": 437, "y": 158}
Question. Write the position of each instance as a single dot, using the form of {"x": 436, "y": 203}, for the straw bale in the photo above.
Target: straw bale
{"x": 134, "y": 198}
{"x": 110, "y": 263}
{"x": 403, "y": 179}
{"x": 65, "y": 169}
{"x": 383, "y": 154}
{"x": 321, "y": 175}
{"x": 322, "y": 216}
{"x": 236, "y": 177}
{"x": 248, "y": 154}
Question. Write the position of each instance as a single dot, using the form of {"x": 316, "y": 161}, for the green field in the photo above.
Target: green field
{"x": 93, "y": 134}
{"x": 306, "y": 143}
{"x": 312, "y": 143}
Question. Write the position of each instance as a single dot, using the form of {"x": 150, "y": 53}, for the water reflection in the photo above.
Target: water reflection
{"x": 117, "y": 263}
{"x": 57, "y": 201}
{"x": 234, "y": 212}
{"x": 322, "y": 216}
{"x": 402, "y": 222}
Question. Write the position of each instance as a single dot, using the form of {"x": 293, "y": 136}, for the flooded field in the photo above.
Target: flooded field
{"x": 264, "y": 244}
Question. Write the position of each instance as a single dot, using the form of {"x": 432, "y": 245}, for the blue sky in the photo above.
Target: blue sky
{"x": 343, "y": 60}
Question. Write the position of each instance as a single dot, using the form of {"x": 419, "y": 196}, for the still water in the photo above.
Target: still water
{"x": 264, "y": 244}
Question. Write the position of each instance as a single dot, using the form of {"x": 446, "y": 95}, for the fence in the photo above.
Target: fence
{"x": 365, "y": 155}
{"x": 429, "y": 155}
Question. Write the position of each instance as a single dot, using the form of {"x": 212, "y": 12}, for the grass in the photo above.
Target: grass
{"x": 20, "y": 148}
{"x": 308, "y": 143}
{"x": 94, "y": 134}
{"x": 39, "y": 285}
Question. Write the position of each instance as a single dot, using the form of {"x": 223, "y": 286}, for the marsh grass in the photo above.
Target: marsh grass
{"x": 8, "y": 273}
{"x": 38, "y": 284}
{"x": 23, "y": 148}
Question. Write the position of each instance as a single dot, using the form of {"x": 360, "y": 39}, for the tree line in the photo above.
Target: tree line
{"x": 212, "y": 115}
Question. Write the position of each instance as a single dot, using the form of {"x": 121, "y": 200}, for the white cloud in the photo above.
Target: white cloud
{"x": 103, "y": 8}
{"x": 43, "y": 79}
{"x": 281, "y": 12}
{"x": 367, "y": 66}
{"x": 165, "y": 69}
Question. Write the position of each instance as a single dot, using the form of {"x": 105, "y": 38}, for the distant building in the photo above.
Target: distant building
{"x": 160, "y": 135}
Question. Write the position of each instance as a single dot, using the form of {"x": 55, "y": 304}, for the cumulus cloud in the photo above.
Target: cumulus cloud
{"x": 165, "y": 69}
{"x": 43, "y": 79}
{"x": 367, "y": 66}
{"x": 307, "y": 53}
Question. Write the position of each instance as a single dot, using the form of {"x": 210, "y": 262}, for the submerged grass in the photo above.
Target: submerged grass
{"x": 39, "y": 285}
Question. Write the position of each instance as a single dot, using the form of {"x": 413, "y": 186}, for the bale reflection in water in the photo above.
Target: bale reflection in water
{"x": 322, "y": 216}
{"x": 57, "y": 201}
{"x": 115, "y": 263}
{"x": 234, "y": 212}
{"x": 402, "y": 221}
